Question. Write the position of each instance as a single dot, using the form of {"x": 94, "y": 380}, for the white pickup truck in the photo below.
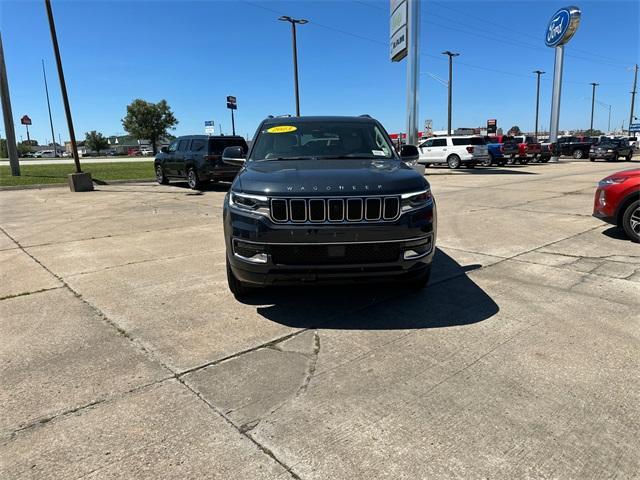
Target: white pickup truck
{"x": 468, "y": 150}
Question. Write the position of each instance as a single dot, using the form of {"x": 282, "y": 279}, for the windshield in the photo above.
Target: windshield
{"x": 321, "y": 139}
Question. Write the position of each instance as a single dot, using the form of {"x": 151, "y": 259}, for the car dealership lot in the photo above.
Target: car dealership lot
{"x": 124, "y": 354}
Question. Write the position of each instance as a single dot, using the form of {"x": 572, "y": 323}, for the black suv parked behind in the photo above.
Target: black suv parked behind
{"x": 326, "y": 200}
{"x": 197, "y": 159}
{"x": 611, "y": 149}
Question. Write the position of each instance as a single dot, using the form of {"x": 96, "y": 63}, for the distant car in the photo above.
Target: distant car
{"x": 611, "y": 149}
{"x": 617, "y": 201}
{"x": 467, "y": 150}
{"x": 29, "y": 155}
{"x": 45, "y": 154}
{"x": 495, "y": 148}
{"x": 576, "y": 147}
{"x": 145, "y": 151}
{"x": 521, "y": 149}
{"x": 198, "y": 159}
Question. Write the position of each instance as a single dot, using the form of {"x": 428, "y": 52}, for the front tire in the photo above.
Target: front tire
{"x": 487, "y": 162}
{"x": 629, "y": 157}
{"x": 631, "y": 221}
{"x": 578, "y": 154}
{"x": 160, "y": 176}
{"x": 237, "y": 288}
{"x": 192, "y": 179}
{"x": 453, "y": 161}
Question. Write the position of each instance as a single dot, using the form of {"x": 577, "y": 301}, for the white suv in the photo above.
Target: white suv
{"x": 454, "y": 151}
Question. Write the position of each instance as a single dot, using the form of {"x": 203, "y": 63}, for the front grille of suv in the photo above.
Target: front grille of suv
{"x": 335, "y": 209}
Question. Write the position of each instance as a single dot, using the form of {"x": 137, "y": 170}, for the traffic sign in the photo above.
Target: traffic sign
{"x": 25, "y": 120}
{"x": 231, "y": 102}
{"x": 634, "y": 127}
{"x": 209, "y": 129}
{"x": 208, "y": 123}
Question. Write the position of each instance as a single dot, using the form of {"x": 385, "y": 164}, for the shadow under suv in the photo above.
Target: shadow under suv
{"x": 197, "y": 159}
{"x": 326, "y": 200}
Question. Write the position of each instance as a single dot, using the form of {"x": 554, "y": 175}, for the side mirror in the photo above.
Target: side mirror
{"x": 233, "y": 156}
{"x": 164, "y": 149}
{"x": 409, "y": 153}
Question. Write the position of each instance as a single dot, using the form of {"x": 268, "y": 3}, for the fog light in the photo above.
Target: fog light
{"x": 249, "y": 252}
{"x": 411, "y": 254}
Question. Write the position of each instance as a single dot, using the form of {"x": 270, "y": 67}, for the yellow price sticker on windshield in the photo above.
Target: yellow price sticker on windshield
{"x": 282, "y": 129}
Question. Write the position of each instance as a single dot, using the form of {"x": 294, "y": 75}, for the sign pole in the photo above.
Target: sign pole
{"x": 233, "y": 124}
{"x": 413, "y": 70}
{"x": 555, "y": 97}
{"x": 560, "y": 30}
{"x": 633, "y": 97}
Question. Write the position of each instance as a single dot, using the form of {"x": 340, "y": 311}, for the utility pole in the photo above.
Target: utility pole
{"x": 46, "y": 89}
{"x": 593, "y": 100}
{"x": 12, "y": 148}
{"x": 293, "y": 22}
{"x": 78, "y": 181}
{"x": 538, "y": 73}
{"x": 413, "y": 70}
{"x": 451, "y": 55}
{"x": 633, "y": 97}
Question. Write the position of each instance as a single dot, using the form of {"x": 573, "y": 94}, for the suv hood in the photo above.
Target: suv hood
{"x": 328, "y": 177}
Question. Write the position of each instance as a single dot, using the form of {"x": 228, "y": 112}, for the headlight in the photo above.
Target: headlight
{"x": 609, "y": 151}
{"x": 611, "y": 181}
{"x": 249, "y": 203}
{"x": 602, "y": 198}
{"x": 414, "y": 200}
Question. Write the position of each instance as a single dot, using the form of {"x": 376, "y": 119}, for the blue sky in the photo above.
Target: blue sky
{"x": 193, "y": 54}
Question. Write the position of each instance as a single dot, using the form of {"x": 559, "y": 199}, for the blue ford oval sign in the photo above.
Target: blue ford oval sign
{"x": 562, "y": 26}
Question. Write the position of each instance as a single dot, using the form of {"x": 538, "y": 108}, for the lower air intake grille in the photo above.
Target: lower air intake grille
{"x": 339, "y": 254}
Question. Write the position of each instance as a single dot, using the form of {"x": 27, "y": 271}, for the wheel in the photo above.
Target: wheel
{"x": 628, "y": 157}
{"x": 524, "y": 161}
{"x": 578, "y": 154}
{"x": 453, "y": 161}
{"x": 502, "y": 163}
{"x": 192, "y": 179}
{"x": 421, "y": 281}
{"x": 487, "y": 162}
{"x": 426, "y": 165}
{"x": 236, "y": 287}
{"x": 160, "y": 177}
{"x": 511, "y": 160}
{"x": 631, "y": 221}
{"x": 592, "y": 159}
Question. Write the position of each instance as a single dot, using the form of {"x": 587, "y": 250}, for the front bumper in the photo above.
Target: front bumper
{"x": 287, "y": 248}
{"x": 605, "y": 156}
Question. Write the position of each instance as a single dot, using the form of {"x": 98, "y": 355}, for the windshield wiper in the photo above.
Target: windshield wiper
{"x": 285, "y": 158}
{"x": 353, "y": 156}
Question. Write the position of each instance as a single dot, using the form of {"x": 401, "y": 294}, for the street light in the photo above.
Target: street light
{"x": 593, "y": 101}
{"x": 451, "y": 55}
{"x": 293, "y": 22}
{"x": 538, "y": 73}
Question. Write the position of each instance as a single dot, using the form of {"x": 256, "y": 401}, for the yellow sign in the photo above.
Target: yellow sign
{"x": 282, "y": 129}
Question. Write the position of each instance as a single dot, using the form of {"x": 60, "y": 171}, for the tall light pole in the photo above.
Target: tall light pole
{"x": 538, "y": 73}
{"x": 633, "y": 97}
{"x": 293, "y": 22}
{"x": 12, "y": 149}
{"x": 78, "y": 181}
{"x": 593, "y": 101}
{"x": 451, "y": 55}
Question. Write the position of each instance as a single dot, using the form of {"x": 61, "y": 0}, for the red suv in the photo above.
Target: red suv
{"x": 617, "y": 201}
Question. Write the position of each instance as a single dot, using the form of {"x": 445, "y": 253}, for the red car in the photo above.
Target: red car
{"x": 617, "y": 201}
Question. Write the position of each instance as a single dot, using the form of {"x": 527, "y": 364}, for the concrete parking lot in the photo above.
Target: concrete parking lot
{"x": 124, "y": 355}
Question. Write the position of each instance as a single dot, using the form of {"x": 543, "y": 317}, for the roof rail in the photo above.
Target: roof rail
{"x": 365, "y": 115}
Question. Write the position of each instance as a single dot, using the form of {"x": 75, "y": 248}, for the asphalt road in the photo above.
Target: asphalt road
{"x": 125, "y": 356}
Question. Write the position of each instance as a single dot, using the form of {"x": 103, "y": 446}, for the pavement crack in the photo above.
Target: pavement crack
{"x": 311, "y": 366}
{"x": 22, "y": 294}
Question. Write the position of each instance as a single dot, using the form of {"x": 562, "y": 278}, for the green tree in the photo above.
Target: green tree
{"x": 3, "y": 148}
{"x": 515, "y": 130}
{"x": 23, "y": 148}
{"x": 593, "y": 133}
{"x": 95, "y": 141}
{"x": 149, "y": 121}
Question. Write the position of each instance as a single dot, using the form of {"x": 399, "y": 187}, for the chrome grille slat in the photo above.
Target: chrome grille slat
{"x": 352, "y": 209}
